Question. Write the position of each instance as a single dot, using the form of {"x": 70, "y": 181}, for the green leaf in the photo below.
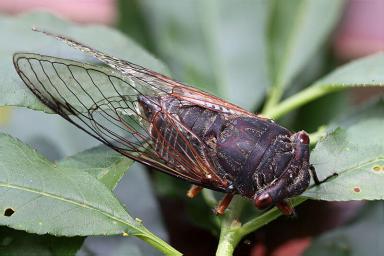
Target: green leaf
{"x": 368, "y": 110}
{"x": 367, "y": 71}
{"x": 40, "y": 197}
{"x": 363, "y": 72}
{"x": 215, "y": 45}
{"x": 20, "y": 38}
{"x": 361, "y": 237}
{"x": 57, "y": 200}
{"x": 356, "y": 154}
{"x": 103, "y": 163}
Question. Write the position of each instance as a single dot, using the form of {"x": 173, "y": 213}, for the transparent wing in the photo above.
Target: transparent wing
{"x": 162, "y": 84}
{"x": 104, "y": 103}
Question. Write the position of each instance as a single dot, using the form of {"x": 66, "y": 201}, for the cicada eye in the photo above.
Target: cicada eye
{"x": 303, "y": 137}
{"x": 263, "y": 200}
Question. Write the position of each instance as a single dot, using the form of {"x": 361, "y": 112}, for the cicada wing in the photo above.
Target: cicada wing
{"x": 160, "y": 83}
{"x": 186, "y": 152}
{"x": 89, "y": 95}
{"x": 104, "y": 103}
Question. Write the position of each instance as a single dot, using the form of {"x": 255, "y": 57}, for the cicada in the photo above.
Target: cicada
{"x": 173, "y": 127}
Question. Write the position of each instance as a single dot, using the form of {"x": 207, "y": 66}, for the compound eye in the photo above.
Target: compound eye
{"x": 303, "y": 138}
{"x": 263, "y": 201}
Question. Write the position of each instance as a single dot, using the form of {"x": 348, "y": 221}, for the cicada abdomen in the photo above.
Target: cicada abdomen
{"x": 172, "y": 127}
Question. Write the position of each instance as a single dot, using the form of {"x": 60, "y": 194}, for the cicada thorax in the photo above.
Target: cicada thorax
{"x": 254, "y": 152}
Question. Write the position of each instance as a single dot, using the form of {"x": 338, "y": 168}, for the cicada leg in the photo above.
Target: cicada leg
{"x": 286, "y": 208}
{"x": 223, "y": 204}
{"x": 193, "y": 191}
{"x": 316, "y": 179}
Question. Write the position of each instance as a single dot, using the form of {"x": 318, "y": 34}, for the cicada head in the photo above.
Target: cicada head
{"x": 293, "y": 181}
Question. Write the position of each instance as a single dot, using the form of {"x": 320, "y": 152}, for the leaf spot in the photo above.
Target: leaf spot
{"x": 378, "y": 168}
{"x": 9, "y": 212}
{"x": 356, "y": 189}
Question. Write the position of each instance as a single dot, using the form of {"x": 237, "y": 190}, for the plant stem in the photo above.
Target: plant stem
{"x": 307, "y": 95}
{"x": 211, "y": 201}
{"x": 209, "y": 198}
{"x": 229, "y": 225}
{"x": 282, "y": 73}
{"x": 264, "y": 219}
{"x": 232, "y": 232}
{"x": 315, "y": 137}
{"x": 160, "y": 245}
{"x": 273, "y": 98}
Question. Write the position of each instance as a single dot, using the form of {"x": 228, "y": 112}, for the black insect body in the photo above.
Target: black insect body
{"x": 172, "y": 127}
{"x": 256, "y": 157}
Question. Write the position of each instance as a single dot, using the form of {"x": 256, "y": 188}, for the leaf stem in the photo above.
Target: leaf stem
{"x": 274, "y": 96}
{"x": 316, "y": 136}
{"x": 230, "y": 223}
{"x": 307, "y": 95}
{"x": 232, "y": 231}
{"x": 209, "y": 198}
{"x": 282, "y": 74}
{"x": 265, "y": 218}
{"x": 160, "y": 244}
